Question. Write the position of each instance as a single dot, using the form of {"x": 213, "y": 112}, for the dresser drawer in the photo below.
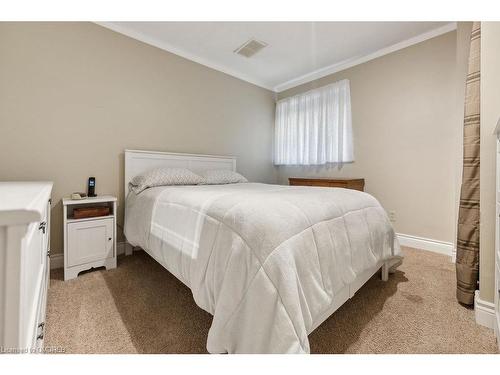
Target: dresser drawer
{"x": 35, "y": 279}
{"x": 33, "y": 271}
{"x": 497, "y": 300}
{"x": 39, "y": 328}
{"x": 355, "y": 183}
{"x": 341, "y": 184}
{"x": 311, "y": 183}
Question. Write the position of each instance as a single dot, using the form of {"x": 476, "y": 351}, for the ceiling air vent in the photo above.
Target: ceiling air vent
{"x": 250, "y": 48}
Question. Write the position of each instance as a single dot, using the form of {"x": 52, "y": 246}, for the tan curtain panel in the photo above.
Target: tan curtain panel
{"x": 468, "y": 216}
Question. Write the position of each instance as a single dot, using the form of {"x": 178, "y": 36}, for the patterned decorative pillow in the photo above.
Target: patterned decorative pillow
{"x": 222, "y": 176}
{"x": 164, "y": 177}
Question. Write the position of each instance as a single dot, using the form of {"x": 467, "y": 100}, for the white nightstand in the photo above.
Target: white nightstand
{"x": 89, "y": 242}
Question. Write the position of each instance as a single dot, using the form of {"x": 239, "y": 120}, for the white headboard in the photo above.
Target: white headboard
{"x": 139, "y": 161}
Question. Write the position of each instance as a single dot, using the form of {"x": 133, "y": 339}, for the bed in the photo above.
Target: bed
{"x": 269, "y": 262}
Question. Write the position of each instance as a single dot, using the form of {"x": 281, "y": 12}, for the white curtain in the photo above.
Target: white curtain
{"x": 315, "y": 127}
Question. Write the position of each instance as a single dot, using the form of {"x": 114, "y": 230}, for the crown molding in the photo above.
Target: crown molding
{"x": 180, "y": 52}
{"x": 349, "y": 63}
{"x": 319, "y": 73}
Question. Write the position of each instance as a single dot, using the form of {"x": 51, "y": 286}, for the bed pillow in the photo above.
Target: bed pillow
{"x": 164, "y": 177}
{"x": 222, "y": 176}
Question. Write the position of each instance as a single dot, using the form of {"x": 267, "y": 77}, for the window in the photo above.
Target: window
{"x": 315, "y": 127}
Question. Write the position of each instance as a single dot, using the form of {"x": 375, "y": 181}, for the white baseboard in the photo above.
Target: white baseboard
{"x": 454, "y": 255}
{"x": 57, "y": 260}
{"x": 428, "y": 244}
{"x": 484, "y": 311}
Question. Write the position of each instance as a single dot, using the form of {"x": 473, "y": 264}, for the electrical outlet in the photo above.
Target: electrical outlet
{"x": 392, "y": 216}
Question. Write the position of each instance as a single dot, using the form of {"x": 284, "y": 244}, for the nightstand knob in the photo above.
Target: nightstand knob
{"x": 109, "y": 239}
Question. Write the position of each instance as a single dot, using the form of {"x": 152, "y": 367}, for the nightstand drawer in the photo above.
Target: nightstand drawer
{"x": 89, "y": 241}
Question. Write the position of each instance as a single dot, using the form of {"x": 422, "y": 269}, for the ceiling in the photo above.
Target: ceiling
{"x": 296, "y": 52}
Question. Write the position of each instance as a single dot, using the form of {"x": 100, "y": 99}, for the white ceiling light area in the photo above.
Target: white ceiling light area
{"x": 294, "y": 53}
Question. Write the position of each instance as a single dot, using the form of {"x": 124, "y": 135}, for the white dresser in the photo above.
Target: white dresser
{"x": 497, "y": 241}
{"x": 24, "y": 264}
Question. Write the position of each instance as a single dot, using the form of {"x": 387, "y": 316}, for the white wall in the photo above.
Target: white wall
{"x": 407, "y": 110}
{"x": 73, "y": 96}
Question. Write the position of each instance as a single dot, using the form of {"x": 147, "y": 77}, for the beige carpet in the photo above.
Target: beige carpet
{"x": 141, "y": 308}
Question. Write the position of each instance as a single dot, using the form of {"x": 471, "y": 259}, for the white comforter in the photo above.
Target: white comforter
{"x": 265, "y": 260}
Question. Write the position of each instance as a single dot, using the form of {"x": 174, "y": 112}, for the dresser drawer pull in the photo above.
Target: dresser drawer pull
{"x": 42, "y": 226}
{"x": 42, "y": 328}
